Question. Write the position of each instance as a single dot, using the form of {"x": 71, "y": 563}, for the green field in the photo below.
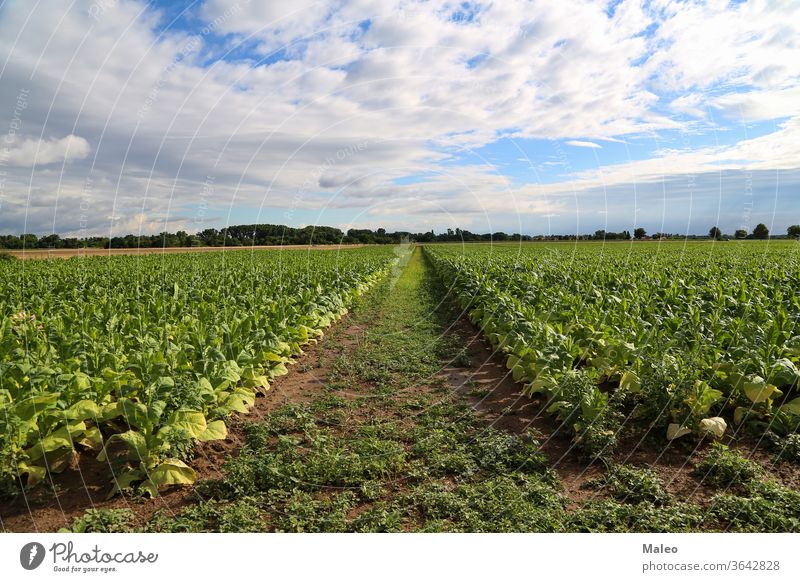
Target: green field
{"x": 154, "y": 353}
{"x": 663, "y": 375}
{"x": 698, "y": 339}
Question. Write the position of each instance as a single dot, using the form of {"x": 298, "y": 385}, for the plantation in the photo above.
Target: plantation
{"x": 591, "y": 387}
{"x": 700, "y": 340}
{"x": 136, "y": 359}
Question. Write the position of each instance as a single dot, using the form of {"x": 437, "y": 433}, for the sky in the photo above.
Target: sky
{"x": 541, "y": 117}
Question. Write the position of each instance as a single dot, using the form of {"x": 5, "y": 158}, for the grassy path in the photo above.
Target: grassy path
{"x": 385, "y": 443}
{"x": 386, "y": 446}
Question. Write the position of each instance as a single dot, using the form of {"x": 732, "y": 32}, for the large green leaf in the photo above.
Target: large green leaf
{"x": 792, "y": 407}
{"x": 31, "y": 407}
{"x": 83, "y": 410}
{"x": 135, "y": 443}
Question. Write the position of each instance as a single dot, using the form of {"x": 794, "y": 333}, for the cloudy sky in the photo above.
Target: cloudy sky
{"x": 552, "y": 116}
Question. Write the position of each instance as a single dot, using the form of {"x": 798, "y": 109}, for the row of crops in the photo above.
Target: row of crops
{"x": 687, "y": 340}
{"x": 136, "y": 359}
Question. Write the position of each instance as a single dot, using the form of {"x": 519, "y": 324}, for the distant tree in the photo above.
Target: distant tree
{"x": 209, "y": 237}
{"x": 761, "y": 231}
{"x": 740, "y": 233}
{"x": 715, "y": 233}
{"x": 639, "y": 233}
{"x": 51, "y": 241}
{"x": 793, "y": 231}
{"x": 600, "y": 234}
{"x": 30, "y": 241}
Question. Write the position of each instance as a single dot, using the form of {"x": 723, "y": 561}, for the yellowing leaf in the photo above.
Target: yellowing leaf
{"x": 172, "y": 472}
{"x": 215, "y": 431}
{"x": 714, "y": 426}
{"x": 630, "y": 382}
{"x": 192, "y": 422}
{"x": 759, "y": 391}
{"x": 675, "y": 431}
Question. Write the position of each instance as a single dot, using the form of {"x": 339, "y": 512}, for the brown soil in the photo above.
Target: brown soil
{"x": 67, "y": 253}
{"x": 493, "y": 394}
{"x": 87, "y": 484}
{"x": 485, "y": 383}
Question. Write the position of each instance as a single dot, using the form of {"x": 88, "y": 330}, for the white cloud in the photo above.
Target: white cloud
{"x": 280, "y": 126}
{"x": 759, "y": 105}
{"x": 27, "y": 152}
{"x": 583, "y": 144}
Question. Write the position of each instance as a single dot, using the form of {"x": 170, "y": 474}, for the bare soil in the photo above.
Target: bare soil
{"x": 483, "y": 381}
{"x": 86, "y": 484}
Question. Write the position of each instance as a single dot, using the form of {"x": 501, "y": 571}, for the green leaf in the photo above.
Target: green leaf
{"x": 47, "y": 445}
{"x": 83, "y": 410}
{"x": 278, "y": 370}
{"x": 133, "y": 440}
{"x": 702, "y": 397}
{"x": 125, "y": 480}
{"x": 62, "y": 438}
{"x": 739, "y": 414}
{"x": 92, "y": 439}
{"x": 792, "y": 407}
{"x": 135, "y": 413}
{"x": 512, "y": 361}
{"x": 783, "y": 373}
{"x": 58, "y": 462}
{"x": 232, "y": 403}
{"x": 30, "y": 408}
{"x": 543, "y": 383}
{"x": 109, "y": 412}
{"x": 518, "y": 372}
{"x": 150, "y": 488}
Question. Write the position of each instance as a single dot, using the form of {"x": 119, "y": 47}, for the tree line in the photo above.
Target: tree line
{"x": 276, "y": 234}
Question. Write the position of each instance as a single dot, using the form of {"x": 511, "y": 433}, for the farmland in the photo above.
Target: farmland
{"x": 694, "y": 339}
{"x": 137, "y": 358}
{"x": 543, "y": 387}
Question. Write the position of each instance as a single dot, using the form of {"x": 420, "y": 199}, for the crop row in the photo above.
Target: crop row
{"x": 138, "y": 358}
{"x": 691, "y": 339}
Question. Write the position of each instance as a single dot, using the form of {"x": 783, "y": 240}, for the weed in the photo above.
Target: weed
{"x": 786, "y": 449}
{"x": 613, "y": 516}
{"x": 724, "y": 468}
{"x": 103, "y": 521}
{"x": 632, "y": 485}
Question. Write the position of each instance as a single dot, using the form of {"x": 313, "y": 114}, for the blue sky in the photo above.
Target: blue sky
{"x": 543, "y": 116}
